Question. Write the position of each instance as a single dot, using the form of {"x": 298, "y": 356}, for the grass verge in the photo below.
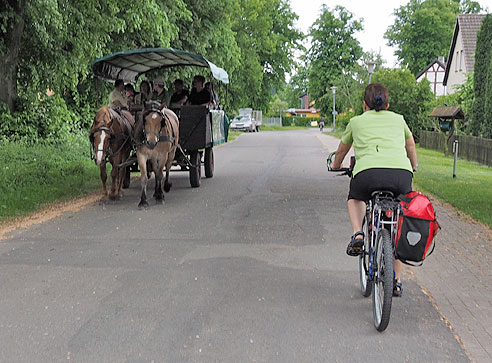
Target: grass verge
{"x": 337, "y": 133}
{"x": 469, "y": 192}
{"x": 282, "y": 128}
{"x": 35, "y": 175}
{"x": 233, "y": 135}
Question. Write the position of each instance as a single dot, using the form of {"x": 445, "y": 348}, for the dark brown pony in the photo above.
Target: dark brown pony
{"x": 111, "y": 139}
{"x": 159, "y": 136}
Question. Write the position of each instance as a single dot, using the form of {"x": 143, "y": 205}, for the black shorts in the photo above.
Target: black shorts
{"x": 397, "y": 181}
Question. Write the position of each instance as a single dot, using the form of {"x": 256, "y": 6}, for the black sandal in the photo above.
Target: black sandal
{"x": 356, "y": 245}
{"x": 397, "y": 288}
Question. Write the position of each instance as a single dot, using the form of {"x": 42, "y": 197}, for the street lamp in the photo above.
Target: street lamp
{"x": 334, "y": 90}
{"x": 370, "y": 68}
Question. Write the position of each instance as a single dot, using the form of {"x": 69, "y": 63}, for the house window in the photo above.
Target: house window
{"x": 456, "y": 62}
{"x": 461, "y": 60}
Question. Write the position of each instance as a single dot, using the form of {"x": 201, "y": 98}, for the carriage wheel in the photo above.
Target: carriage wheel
{"x": 196, "y": 169}
{"x": 209, "y": 162}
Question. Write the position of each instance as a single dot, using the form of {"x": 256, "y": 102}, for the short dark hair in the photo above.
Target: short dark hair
{"x": 199, "y": 78}
{"x": 376, "y": 96}
{"x": 118, "y": 83}
{"x": 179, "y": 81}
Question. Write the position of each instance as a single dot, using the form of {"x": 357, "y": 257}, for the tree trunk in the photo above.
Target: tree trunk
{"x": 8, "y": 64}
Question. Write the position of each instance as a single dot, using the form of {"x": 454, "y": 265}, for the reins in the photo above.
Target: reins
{"x": 114, "y": 115}
{"x": 166, "y": 125}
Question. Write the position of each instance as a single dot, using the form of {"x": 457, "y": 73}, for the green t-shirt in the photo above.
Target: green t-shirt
{"x": 378, "y": 138}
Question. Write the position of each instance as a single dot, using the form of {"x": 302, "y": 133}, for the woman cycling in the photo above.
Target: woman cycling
{"x": 385, "y": 159}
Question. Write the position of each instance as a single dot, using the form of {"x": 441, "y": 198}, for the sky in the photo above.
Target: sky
{"x": 378, "y": 16}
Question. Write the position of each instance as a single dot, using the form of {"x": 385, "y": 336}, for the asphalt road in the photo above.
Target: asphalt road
{"x": 250, "y": 267}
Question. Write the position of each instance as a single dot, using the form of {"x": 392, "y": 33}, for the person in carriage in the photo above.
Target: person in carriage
{"x": 130, "y": 93}
{"x": 214, "y": 100}
{"x": 199, "y": 94}
{"x": 145, "y": 94}
{"x": 117, "y": 97}
{"x": 160, "y": 94}
{"x": 180, "y": 95}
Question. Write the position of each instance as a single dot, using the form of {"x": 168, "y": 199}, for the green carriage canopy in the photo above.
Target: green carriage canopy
{"x": 128, "y": 65}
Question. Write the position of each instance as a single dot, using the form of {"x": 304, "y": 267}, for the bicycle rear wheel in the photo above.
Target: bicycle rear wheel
{"x": 383, "y": 280}
{"x": 364, "y": 271}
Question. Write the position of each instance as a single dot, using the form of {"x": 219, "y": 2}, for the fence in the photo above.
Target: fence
{"x": 272, "y": 121}
{"x": 469, "y": 147}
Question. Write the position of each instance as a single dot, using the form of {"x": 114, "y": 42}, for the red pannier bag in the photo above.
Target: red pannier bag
{"x": 417, "y": 228}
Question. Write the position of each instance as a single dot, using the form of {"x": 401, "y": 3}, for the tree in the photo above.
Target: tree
{"x": 267, "y": 38}
{"x": 350, "y": 85}
{"x": 334, "y": 52}
{"x": 407, "y": 97}
{"x": 297, "y": 86}
{"x": 277, "y": 107}
{"x": 423, "y": 29}
{"x": 50, "y": 43}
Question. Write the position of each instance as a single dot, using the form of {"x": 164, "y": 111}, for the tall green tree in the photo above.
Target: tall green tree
{"x": 267, "y": 39}
{"x": 334, "y": 52}
{"x": 423, "y": 29}
{"x": 350, "y": 85}
{"x": 50, "y": 43}
{"x": 297, "y": 85}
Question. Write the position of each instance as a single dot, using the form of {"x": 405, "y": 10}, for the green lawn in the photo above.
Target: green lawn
{"x": 233, "y": 135}
{"x": 337, "y": 133}
{"x": 283, "y": 128}
{"x": 34, "y": 175}
{"x": 470, "y": 192}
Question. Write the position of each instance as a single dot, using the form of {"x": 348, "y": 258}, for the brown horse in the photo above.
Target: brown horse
{"x": 159, "y": 135}
{"x": 111, "y": 139}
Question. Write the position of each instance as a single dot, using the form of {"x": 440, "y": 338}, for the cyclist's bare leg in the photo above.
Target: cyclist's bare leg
{"x": 356, "y": 210}
{"x": 397, "y": 265}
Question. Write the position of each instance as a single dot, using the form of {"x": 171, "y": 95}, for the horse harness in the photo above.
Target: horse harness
{"x": 127, "y": 128}
{"x": 165, "y": 124}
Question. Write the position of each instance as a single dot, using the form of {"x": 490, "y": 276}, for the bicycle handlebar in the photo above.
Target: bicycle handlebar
{"x": 345, "y": 171}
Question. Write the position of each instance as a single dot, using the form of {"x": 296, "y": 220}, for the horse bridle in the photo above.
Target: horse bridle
{"x": 109, "y": 152}
{"x": 160, "y": 138}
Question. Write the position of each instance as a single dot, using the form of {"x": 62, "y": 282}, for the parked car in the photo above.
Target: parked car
{"x": 243, "y": 123}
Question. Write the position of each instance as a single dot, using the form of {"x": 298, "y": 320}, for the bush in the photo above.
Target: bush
{"x": 49, "y": 120}
{"x": 298, "y": 121}
{"x": 408, "y": 97}
{"x": 343, "y": 119}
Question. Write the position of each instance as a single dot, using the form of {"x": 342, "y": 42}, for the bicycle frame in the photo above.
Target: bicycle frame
{"x": 377, "y": 209}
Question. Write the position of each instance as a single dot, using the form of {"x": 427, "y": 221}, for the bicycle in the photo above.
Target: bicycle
{"x": 376, "y": 272}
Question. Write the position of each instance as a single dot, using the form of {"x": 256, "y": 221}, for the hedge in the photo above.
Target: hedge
{"x": 298, "y": 121}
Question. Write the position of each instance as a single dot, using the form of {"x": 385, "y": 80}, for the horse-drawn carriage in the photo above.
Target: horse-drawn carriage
{"x": 200, "y": 128}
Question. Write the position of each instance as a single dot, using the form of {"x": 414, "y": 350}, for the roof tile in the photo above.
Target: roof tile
{"x": 470, "y": 25}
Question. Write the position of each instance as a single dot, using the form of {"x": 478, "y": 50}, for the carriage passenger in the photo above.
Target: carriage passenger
{"x": 130, "y": 93}
{"x": 199, "y": 94}
{"x": 117, "y": 98}
{"x": 160, "y": 94}
{"x": 145, "y": 94}
{"x": 180, "y": 95}
{"x": 214, "y": 101}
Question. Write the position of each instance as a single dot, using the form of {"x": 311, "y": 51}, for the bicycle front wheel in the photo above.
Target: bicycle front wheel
{"x": 383, "y": 280}
{"x": 364, "y": 259}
